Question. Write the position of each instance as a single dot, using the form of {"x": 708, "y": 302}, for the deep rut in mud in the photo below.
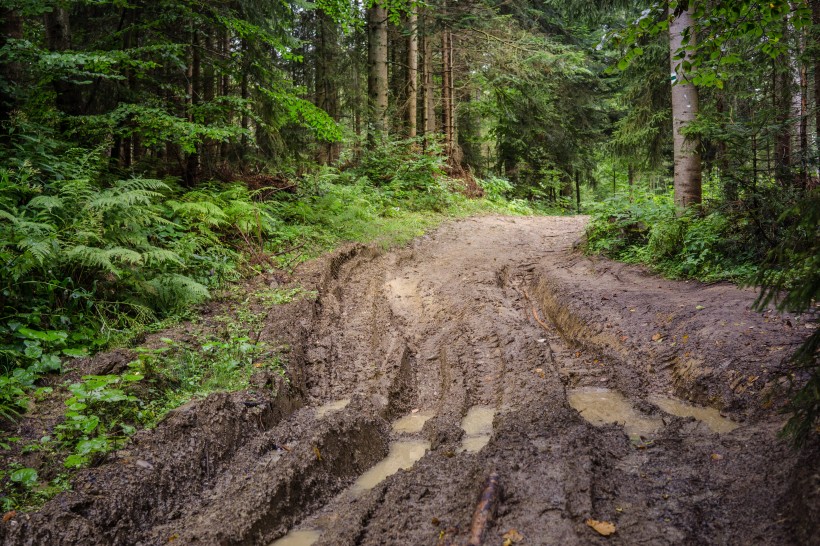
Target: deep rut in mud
{"x": 593, "y": 390}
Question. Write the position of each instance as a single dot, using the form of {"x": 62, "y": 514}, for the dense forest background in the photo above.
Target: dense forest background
{"x": 152, "y": 151}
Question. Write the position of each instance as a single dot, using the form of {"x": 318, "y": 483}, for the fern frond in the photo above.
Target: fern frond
{"x": 37, "y": 251}
{"x": 159, "y": 256}
{"x": 145, "y": 184}
{"x": 110, "y": 199}
{"x": 124, "y": 255}
{"x": 205, "y": 211}
{"x": 89, "y": 256}
{"x": 173, "y": 292}
{"x": 46, "y": 202}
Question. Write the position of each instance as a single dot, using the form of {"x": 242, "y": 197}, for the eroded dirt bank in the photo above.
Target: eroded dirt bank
{"x": 471, "y": 352}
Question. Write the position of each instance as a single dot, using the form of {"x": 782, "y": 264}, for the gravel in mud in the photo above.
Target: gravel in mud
{"x": 487, "y": 347}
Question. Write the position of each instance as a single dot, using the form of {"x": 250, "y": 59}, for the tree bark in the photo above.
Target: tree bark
{"x": 578, "y": 192}
{"x": 58, "y": 38}
{"x": 429, "y": 115}
{"x": 412, "y": 71}
{"x": 815, "y": 18}
{"x": 447, "y": 100}
{"x": 377, "y": 82}
{"x": 193, "y": 89}
{"x": 12, "y": 27}
{"x": 684, "y": 112}
{"x": 782, "y": 102}
{"x": 327, "y": 92}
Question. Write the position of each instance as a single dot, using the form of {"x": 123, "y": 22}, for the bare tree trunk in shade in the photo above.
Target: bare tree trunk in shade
{"x": 429, "y": 114}
{"x": 412, "y": 71}
{"x": 815, "y": 18}
{"x": 684, "y": 112}
{"x": 377, "y": 82}
{"x": 11, "y": 27}
{"x": 193, "y": 89}
{"x": 446, "y": 93}
{"x": 327, "y": 92}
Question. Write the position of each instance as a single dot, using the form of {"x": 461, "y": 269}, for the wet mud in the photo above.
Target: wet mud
{"x": 594, "y": 390}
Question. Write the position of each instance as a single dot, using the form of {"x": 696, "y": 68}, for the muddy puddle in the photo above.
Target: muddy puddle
{"x": 330, "y": 407}
{"x": 413, "y": 423}
{"x": 602, "y": 406}
{"x": 710, "y": 416}
{"x": 478, "y": 427}
{"x": 304, "y": 537}
{"x": 403, "y": 454}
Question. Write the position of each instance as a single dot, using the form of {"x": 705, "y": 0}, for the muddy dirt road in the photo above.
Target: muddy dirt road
{"x": 591, "y": 390}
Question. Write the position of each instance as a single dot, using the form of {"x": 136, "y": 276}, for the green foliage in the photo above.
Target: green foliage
{"x": 718, "y": 25}
{"x": 495, "y": 188}
{"x": 97, "y": 417}
{"x": 790, "y": 277}
{"x": 182, "y": 371}
{"x": 701, "y": 244}
{"x": 25, "y": 489}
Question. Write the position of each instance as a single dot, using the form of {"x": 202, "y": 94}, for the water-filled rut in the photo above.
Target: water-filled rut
{"x": 486, "y": 353}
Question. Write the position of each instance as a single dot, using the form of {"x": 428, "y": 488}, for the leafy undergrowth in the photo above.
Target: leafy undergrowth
{"x": 99, "y": 413}
{"x": 703, "y": 244}
{"x": 770, "y": 240}
{"x": 92, "y": 265}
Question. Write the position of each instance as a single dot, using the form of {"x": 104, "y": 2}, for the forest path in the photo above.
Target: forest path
{"x": 487, "y": 348}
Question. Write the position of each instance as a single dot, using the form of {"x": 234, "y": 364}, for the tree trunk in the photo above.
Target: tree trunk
{"x": 429, "y": 115}
{"x": 12, "y": 27}
{"x": 412, "y": 71}
{"x": 224, "y": 83}
{"x": 377, "y": 82}
{"x": 327, "y": 92}
{"x": 447, "y": 101}
{"x": 193, "y": 90}
{"x": 782, "y": 102}
{"x": 578, "y": 192}
{"x": 815, "y": 18}
{"x": 58, "y": 38}
{"x": 684, "y": 112}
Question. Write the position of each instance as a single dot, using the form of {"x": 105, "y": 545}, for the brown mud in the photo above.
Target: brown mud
{"x": 487, "y": 347}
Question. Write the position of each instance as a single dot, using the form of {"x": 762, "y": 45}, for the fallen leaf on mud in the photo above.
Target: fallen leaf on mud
{"x": 657, "y": 337}
{"x": 716, "y": 456}
{"x": 318, "y": 453}
{"x": 699, "y": 307}
{"x": 8, "y": 515}
{"x": 173, "y": 537}
{"x": 512, "y": 537}
{"x": 604, "y": 528}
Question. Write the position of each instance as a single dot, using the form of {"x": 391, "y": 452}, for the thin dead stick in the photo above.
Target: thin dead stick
{"x": 544, "y": 325}
{"x": 485, "y": 510}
